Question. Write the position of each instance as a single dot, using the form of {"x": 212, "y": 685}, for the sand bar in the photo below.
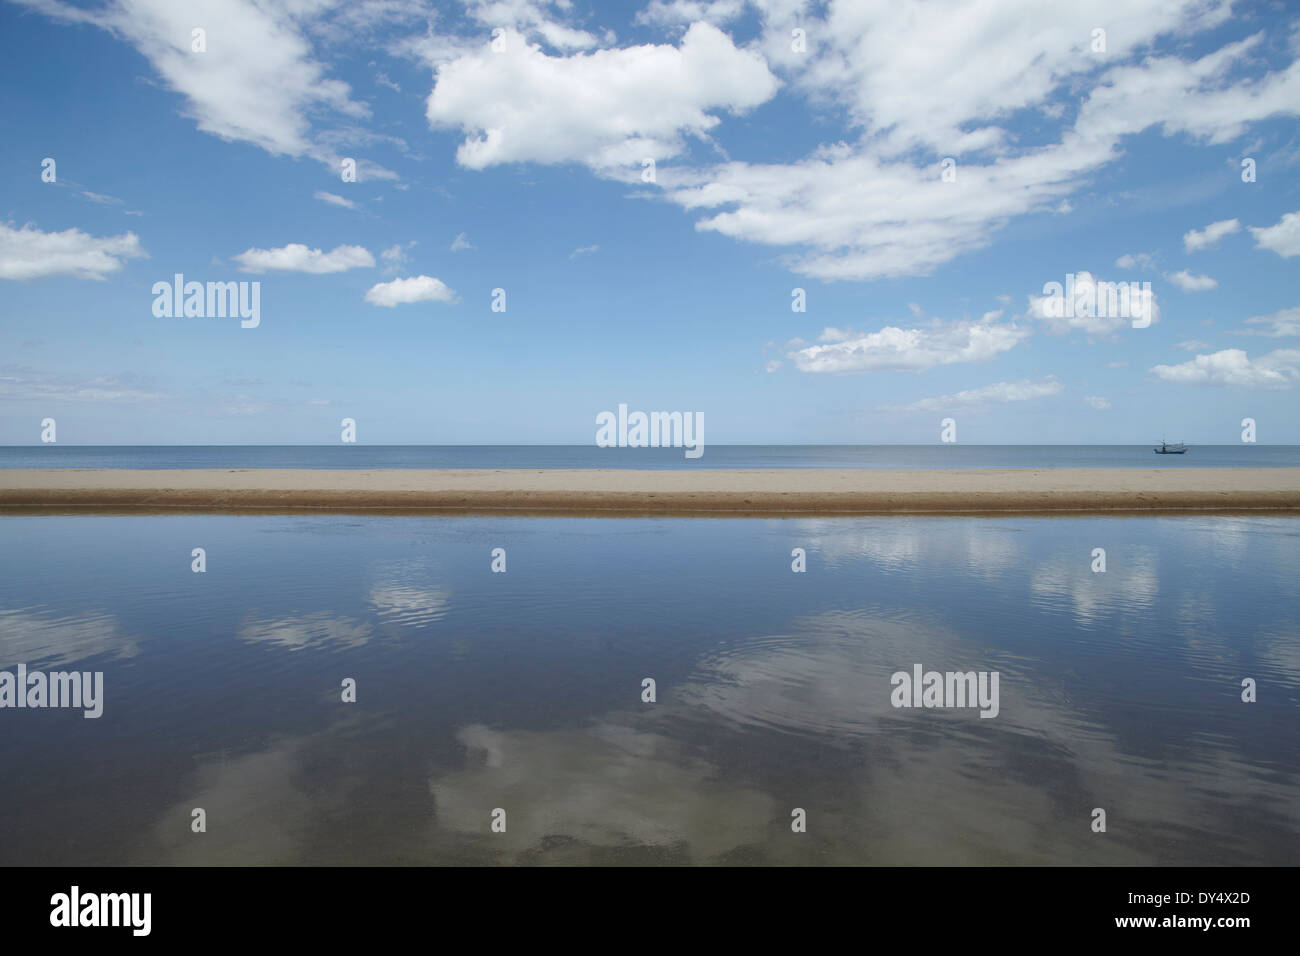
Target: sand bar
{"x": 793, "y": 491}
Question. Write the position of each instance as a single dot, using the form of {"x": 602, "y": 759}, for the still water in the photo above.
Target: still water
{"x": 522, "y": 691}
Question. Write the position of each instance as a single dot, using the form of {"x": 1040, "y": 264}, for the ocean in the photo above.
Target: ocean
{"x": 504, "y": 717}
{"x": 589, "y": 456}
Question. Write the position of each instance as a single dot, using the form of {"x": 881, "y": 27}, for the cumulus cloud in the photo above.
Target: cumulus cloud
{"x": 1190, "y": 282}
{"x": 405, "y": 291}
{"x": 1097, "y": 402}
{"x": 461, "y": 242}
{"x": 913, "y": 350}
{"x": 610, "y": 108}
{"x": 1279, "y": 369}
{"x": 296, "y": 257}
{"x": 1283, "y": 238}
{"x": 997, "y": 393}
{"x": 1210, "y": 235}
{"x": 29, "y": 253}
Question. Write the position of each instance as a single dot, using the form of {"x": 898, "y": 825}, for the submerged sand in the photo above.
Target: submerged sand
{"x": 794, "y": 491}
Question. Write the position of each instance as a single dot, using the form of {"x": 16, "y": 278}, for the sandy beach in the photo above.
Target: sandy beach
{"x": 624, "y": 492}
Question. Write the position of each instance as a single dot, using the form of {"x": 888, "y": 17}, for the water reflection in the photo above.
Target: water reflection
{"x": 52, "y": 637}
{"x": 305, "y": 631}
{"x": 1118, "y": 690}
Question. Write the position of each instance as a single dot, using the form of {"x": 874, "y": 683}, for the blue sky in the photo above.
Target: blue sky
{"x": 521, "y": 168}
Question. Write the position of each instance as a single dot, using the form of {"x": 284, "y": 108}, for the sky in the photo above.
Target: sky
{"x": 807, "y": 222}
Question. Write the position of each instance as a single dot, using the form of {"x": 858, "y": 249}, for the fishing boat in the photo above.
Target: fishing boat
{"x": 1170, "y": 448}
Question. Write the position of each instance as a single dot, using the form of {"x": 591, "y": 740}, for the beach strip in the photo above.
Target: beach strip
{"x": 613, "y": 492}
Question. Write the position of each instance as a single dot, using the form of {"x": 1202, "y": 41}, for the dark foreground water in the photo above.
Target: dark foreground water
{"x": 589, "y": 456}
{"x": 522, "y": 691}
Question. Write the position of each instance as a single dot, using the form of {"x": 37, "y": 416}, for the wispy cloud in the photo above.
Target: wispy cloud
{"x": 18, "y": 383}
{"x": 334, "y": 199}
{"x": 1283, "y": 323}
{"x": 996, "y": 394}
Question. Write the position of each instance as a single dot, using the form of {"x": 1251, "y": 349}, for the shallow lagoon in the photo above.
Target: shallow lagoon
{"x": 523, "y": 691}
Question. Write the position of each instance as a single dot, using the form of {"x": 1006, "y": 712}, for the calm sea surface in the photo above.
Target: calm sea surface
{"x": 522, "y": 692}
{"x": 589, "y": 456}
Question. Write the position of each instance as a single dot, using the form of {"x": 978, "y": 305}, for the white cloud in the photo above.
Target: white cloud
{"x": 871, "y": 209}
{"x": 531, "y": 18}
{"x": 296, "y": 257}
{"x": 1190, "y": 282}
{"x": 772, "y": 366}
{"x": 405, "y": 291}
{"x": 942, "y": 76}
{"x": 1285, "y": 322}
{"x": 461, "y": 242}
{"x": 676, "y": 12}
{"x": 610, "y": 108}
{"x": 28, "y": 253}
{"x": 258, "y": 80}
{"x": 998, "y": 393}
{"x": 1097, "y": 402}
{"x": 102, "y": 199}
{"x": 1283, "y": 238}
{"x": 1139, "y": 260}
{"x": 1192, "y": 345}
{"x": 334, "y": 200}
{"x": 913, "y": 350}
{"x": 1210, "y": 235}
{"x": 1279, "y": 369}
{"x": 583, "y": 251}
{"x": 394, "y": 257}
